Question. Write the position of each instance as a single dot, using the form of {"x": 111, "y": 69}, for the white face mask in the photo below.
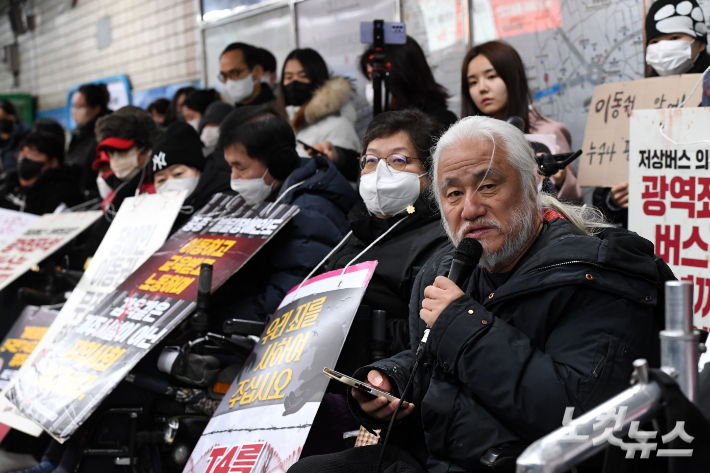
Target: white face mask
{"x": 189, "y": 183}
{"x": 254, "y": 191}
{"x": 104, "y": 188}
{"x": 670, "y": 57}
{"x": 209, "y": 137}
{"x": 240, "y": 89}
{"x": 194, "y": 123}
{"x": 388, "y": 193}
{"x": 123, "y": 164}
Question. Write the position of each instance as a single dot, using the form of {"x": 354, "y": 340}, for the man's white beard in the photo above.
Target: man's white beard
{"x": 521, "y": 228}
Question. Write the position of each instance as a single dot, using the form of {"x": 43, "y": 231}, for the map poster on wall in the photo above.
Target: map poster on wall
{"x": 71, "y": 379}
{"x": 605, "y": 151}
{"x": 669, "y": 190}
{"x": 264, "y": 419}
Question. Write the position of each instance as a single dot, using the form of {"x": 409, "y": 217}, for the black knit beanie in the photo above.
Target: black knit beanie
{"x": 676, "y": 16}
{"x": 180, "y": 145}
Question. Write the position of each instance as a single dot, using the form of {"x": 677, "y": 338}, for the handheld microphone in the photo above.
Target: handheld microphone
{"x": 517, "y": 122}
{"x": 465, "y": 260}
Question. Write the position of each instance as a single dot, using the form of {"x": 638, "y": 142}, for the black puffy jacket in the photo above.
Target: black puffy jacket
{"x": 562, "y": 331}
{"x": 324, "y": 199}
{"x": 54, "y": 187}
{"x": 400, "y": 255}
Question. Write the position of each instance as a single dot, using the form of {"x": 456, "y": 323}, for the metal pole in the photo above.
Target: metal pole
{"x": 679, "y": 344}
{"x": 556, "y": 453}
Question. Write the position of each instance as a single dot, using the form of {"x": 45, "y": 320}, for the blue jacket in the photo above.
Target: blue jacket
{"x": 324, "y": 198}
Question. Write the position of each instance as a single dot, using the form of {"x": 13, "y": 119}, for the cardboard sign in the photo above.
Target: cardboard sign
{"x": 13, "y": 222}
{"x": 669, "y": 194}
{"x": 264, "y": 419}
{"x": 605, "y": 152}
{"x": 20, "y": 342}
{"x": 138, "y": 229}
{"x": 69, "y": 382}
{"x": 42, "y": 238}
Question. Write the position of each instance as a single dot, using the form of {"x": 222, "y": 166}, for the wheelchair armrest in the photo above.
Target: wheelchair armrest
{"x": 502, "y": 458}
{"x": 34, "y": 297}
{"x": 242, "y": 327}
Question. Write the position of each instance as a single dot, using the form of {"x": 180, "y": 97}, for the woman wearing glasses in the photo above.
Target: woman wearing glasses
{"x": 397, "y": 222}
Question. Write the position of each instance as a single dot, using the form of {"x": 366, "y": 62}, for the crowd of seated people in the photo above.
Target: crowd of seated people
{"x": 405, "y": 194}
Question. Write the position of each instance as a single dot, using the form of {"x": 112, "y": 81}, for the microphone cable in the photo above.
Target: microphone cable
{"x": 466, "y": 257}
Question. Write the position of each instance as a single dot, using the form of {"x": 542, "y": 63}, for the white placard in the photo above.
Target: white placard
{"x": 140, "y": 227}
{"x": 266, "y": 431}
{"x": 13, "y": 222}
{"x": 669, "y": 193}
{"x": 42, "y": 238}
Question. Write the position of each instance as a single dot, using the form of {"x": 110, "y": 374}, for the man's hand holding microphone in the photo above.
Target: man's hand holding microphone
{"x": 437, "y": 297}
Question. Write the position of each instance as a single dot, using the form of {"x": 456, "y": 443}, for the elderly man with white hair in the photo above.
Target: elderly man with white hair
{"x": 553, "y": 316}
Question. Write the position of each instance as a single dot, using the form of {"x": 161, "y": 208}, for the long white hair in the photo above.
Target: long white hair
{"x": 511, "y": 143}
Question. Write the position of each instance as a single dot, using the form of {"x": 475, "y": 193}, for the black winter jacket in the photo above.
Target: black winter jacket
{"x": 562, "y": 331}
{"x": 52, "y": 188}
{"x": 81, "y": 155}
{"x": 324, "y": 199}
{"x": 400, "y": 255}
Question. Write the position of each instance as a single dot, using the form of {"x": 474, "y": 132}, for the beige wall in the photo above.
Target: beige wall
{"x": 154, "y": 42}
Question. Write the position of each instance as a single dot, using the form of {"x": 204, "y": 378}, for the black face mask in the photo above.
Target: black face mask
{"x": 28, "y": 169}
{"x": 297, "y": 92}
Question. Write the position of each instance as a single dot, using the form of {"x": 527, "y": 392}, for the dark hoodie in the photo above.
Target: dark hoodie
{"x": 324, "y": 199}
{"x": 53, "y": 188}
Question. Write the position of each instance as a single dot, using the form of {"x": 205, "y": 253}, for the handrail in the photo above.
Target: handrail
{"x": 679, "y": 358}
{"x": 556, "y": 453}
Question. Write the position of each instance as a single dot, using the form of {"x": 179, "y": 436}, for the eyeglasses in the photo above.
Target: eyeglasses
{"x": 396, "y": 162}
{"x": 234, "y": 74}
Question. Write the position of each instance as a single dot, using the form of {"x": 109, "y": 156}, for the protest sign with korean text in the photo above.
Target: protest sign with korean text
{"x": 69, "y": 381}
{"x": 139, "y": 228}
{"x": 42, "y": 238}
{"x": 264, "y": 419}
{"x": 605, "y": 151}
{"x": 13, "y": 222}
{"x": 669, "y": 193}
{"x": 20, "y": 342}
